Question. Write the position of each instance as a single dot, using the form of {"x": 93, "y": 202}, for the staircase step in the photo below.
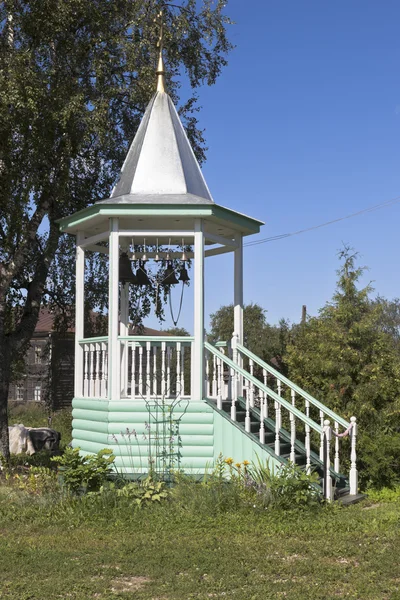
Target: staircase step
{"x": 348, "y": 499}
{"x": 339, "y": 481}
{"x": 299, "y": 459}
{"x": 283, "y": 447}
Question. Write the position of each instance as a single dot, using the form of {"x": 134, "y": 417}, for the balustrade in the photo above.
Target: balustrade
{"x": 158, "y": 367}
{"x": 298, "y": 421}
{"x": 95, "y": 369}
{"x": 302, "y": 432}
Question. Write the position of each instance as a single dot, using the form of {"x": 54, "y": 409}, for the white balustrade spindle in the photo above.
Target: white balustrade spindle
{"x": 86, "y": 372}
{"x": 97, "y": 374}
{"x": 208, "y": 383}
{"x": 337, "y": 460}
{"x": 265, "y": 395}
{"x": 154, "y": 382}
{"x": 251, "y": 384}
{"x": 182, "y": 391}
{"x": 321, "y": 444}
{"x": 163, "y": 372}
{"x": 292, "y": 429}
{"x": 178, "y": 370}
{"x": 214, "y": 379}
{"x": 140, "y": 371}
{"x": 103, "y": 388}
{"x": 92, "y": 371}
{"x": 247, "y": 421}
{"x": 133, "y": 370}
{"x": 327, "y": 462}
{"x": 148, "y": 369}
{"x": 278, "y": 420}
{"x": 169, "y": 353}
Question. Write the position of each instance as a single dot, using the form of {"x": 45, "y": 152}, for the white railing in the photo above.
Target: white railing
{"x": 156, "y": 366}
{"x": 312, "y": 408}
{"x": 217, "y": 381}
{"x": 298, "y": 421}
{"x": 95, "y": 367}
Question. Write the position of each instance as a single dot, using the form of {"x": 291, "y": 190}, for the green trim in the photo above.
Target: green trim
{"x": 264, "y": 388}
{"x": 172, "y": 210}
{"x": 156, "y": 339}
{"x": 293, "y": 386}
{"x": 220, "y": 212}
{"x": 94, "y": 340}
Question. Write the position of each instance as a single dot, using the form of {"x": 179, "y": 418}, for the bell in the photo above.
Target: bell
{"x": 183, "y": 275}
{"x": 141, "y": 275}
{"x": 169, "y": 276}
{"x": 126, "y": 275}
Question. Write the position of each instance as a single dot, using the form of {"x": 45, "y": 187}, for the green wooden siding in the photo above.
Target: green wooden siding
{"x": 123, "y": 426}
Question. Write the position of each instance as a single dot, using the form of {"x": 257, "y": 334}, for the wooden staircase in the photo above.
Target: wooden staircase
{"x": 287, "y": 422}
{"x": 341, "y": 489}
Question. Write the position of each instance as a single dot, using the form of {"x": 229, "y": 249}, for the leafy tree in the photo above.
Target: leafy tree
{"x": 177, "y": 331}
{"x": 389, "y": 320}
{"x": 75, "y": 78}
{"x": 267, "y": 341}
{"x": 351, "y": 363}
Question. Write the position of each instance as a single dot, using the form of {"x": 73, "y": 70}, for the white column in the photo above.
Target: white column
{"x": 79, "y": 314}
{"x": 113, "y": 314}
{"x": 198, "y": 363}
{"x": 238, "y": 289}
{"x": 123, "y": 331}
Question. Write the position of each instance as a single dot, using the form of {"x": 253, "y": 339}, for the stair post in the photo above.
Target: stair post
{"x": 327, "y": 433}
{"x": 235, "y": 382}
{"x": 353, "y": 458}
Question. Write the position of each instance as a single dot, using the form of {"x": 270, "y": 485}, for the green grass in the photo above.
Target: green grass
{"x": 98, "y": 548}
{"x": 194, "y": 546}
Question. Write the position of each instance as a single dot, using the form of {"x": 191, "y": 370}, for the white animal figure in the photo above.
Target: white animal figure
{"x": 20, "y": 440}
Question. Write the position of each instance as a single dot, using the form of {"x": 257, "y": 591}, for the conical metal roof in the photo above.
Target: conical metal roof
{"x": 160, "y": 166}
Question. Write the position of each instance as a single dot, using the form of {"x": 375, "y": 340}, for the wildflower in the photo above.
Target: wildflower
{"x": 229, "y": 461}
{"x": 238, "y": 465}
{"x": 246, "y": 462}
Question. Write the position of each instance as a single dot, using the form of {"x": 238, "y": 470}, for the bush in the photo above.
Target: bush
{"x": 385, "y": 494}
{"x": 379, "y": 459}
{"x": 84, "y": 473}
{"x": 231, "y": 486}
{"x": 37, "y": 481}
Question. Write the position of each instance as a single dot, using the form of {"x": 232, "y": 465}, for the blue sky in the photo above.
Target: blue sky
{"x": 303, "y": 126}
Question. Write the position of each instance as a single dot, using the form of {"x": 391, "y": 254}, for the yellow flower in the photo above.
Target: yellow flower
{"x": 238, "y": 465}
{"x": 246, "y": 462}
{"x": 229, "y": 461}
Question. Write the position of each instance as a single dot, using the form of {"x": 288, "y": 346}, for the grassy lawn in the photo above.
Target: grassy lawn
{"x": 81, "y": 550}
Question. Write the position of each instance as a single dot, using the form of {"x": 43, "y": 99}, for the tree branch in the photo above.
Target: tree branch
{"x": 24, "y": 331}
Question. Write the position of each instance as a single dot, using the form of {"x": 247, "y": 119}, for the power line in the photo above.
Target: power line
{"x": 355, "y": 214}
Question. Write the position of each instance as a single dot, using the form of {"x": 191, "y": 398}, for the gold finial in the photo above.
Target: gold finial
{"x": 160, "y": 67}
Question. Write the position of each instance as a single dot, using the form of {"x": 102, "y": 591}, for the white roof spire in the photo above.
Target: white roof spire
{"x": 160, "y": 45}
{"x": 160, "y": 166}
